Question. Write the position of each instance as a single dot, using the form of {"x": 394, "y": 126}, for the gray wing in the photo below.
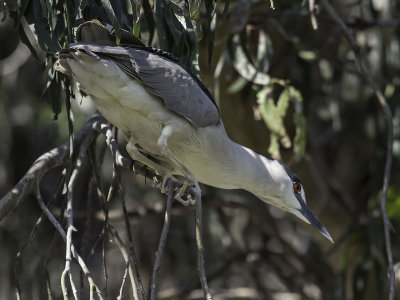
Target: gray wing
{"x": 164, "y": 78}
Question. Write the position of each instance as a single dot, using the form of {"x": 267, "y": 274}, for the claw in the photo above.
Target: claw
{"x": 182, "y": 191}
{"x": 165, "y": 178}
{"x": 182, "y": 201}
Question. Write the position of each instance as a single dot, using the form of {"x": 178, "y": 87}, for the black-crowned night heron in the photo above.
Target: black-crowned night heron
{"x": 172, "y": 121}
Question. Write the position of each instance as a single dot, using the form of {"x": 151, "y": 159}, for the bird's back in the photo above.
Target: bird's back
{"x": 159, "y": 72}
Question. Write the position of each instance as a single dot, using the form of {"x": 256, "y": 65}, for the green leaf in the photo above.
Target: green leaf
{"x": 299, "y": 121}
{"x": 136, "y": 29}
{"x": 136, "y": 6}
{"x": 24, "y": 39}
{"x": 159, "y": 10}
{"x": 393, "y": 203}
{"x": 50, "y": 9}
{"x": 244, "y": 67}
{"x": 22, "y": 6}
{"x": 149, "y": 18}
{"x": 271, "y": 114}
{"x": 113, "y": 19}
{"x": 194, "y": 9}
{"x": 274, "y": 114}
{"x": 40, "y": 29}
{"x": 52, "y": 91}
{"x": 299, "y": 142}
{"x": 212, "y": 22}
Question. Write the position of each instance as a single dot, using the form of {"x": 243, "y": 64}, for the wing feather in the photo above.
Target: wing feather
{"x": 163, "y": 77}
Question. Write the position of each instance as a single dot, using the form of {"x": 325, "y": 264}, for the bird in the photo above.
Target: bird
{"x": 172, "y": 123}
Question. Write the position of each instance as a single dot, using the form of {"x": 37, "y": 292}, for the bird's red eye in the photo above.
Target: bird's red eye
{"x": 296, "y": 187}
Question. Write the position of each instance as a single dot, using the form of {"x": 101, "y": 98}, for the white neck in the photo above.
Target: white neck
{"x": 237, "y": 167}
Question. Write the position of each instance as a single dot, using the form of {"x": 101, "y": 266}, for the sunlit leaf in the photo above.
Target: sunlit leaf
{"x": 237, "y": 85}
{"x": 307, "y": 55}
{"x": 245, "y": 68}
{"x": 136, "y": 6}
{"x": 273, "y": 115}
{"x": 40, "y": 29}
{"x": 24, "y": 39}
{"x": 194, "y": 9}
{"x": 136, "y": 29}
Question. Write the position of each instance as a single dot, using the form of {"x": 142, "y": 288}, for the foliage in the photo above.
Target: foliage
{"x": 286, "y": 83}
{"x": 178, "y": 30}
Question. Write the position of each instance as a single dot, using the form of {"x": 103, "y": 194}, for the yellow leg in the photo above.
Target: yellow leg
{"x": 190, "y": 179}
{"x": 138, "y": 156}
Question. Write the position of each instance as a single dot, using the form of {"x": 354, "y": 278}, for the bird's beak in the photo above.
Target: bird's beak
{"x": 307, "y": 216}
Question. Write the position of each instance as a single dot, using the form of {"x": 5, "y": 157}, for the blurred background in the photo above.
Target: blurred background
{"x": 286, "y": 84}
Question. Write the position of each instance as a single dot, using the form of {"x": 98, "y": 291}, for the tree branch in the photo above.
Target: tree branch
{"x": 70, "y": 226}
{"x": 128, "y": 259}
{"x": 161, "y": 245}
{"x": 59, "y": 156}
{"x": 199, "y": 242}
{"x": 389, "y": 123}
{"x": 63, "y": 234}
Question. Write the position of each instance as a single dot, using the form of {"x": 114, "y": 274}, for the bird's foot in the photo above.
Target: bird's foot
{"x": 189, "y": 182}
{"x": 163, "y": 185}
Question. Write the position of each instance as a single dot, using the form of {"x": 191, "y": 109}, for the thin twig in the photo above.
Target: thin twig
{"x": 389, "y": 150}
{"x": 59, "y": 157}
{"x": 134, "y": 276}
{"x": 132, "y": 254}
{"x": 48, "y": 285}
{"x": 121, "y": 289}
{"x": 199, "y": 242}
{"x": 70, "y": 225}
{"x": 161, "y": 244}
{"x": 127, "y": 258}
{"x": 99, "y": 188}
{"x": 311, "y": 8}
{"x": 63, "y": 234}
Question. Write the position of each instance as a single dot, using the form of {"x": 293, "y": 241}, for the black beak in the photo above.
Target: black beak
{"x": 306, "y": 212}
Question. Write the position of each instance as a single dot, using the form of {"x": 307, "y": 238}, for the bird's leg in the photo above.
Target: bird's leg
{"x": 138, "y": 156}
{"x": 190, "y": 179}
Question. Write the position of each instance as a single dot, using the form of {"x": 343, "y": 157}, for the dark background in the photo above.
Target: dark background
{"x": 253, "y": 251}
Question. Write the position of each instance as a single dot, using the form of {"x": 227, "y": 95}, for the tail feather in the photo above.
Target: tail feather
{"x": 93, "y": 32}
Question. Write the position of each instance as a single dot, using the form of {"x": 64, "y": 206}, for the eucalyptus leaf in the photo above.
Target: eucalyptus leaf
{"x": 113, "y": 19}
{"x": 24, "y": 39}
{"x": 244, "y": 67}
{"x": 136, "y": 6}
{"x": 136, "y": 29}
{"x": 22, "y": 6}
{"x": 39, "y": 26}
{"x": 159, "y": 11}
{"x": 299, "y": 142}
{"x": 149, "y": 18}
{"x": 212, "y": 22}
{"x": 50, "y": 9}
{"x": 274, "y": 114}
{"x": 194, "y": 9}
{"x": 240, "y": 15}
{"x": 226, "y": 8}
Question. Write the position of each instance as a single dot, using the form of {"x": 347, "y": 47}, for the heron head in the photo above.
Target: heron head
{"x": 286, "y": 191}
